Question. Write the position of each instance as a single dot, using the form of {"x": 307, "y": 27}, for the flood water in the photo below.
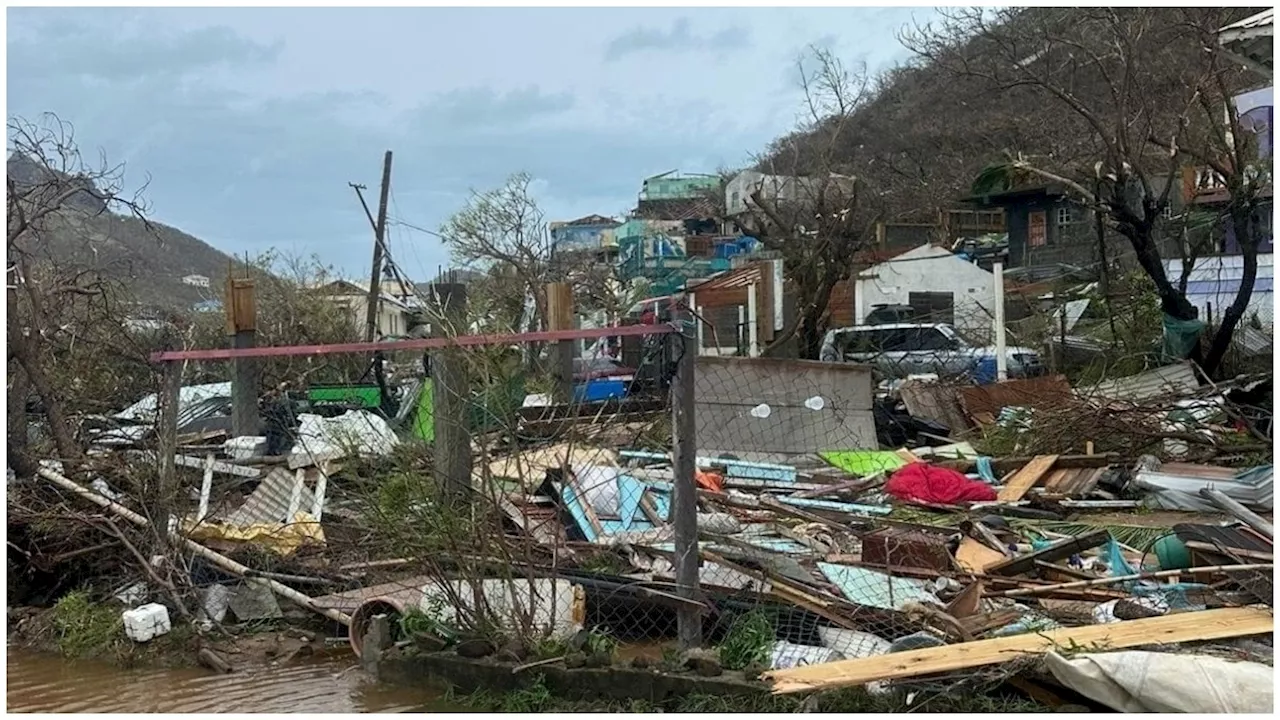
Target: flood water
{"x": 46, "y": 683}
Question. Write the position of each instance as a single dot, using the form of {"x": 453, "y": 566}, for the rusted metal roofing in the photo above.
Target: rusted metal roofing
{"x": 742, "y": 277}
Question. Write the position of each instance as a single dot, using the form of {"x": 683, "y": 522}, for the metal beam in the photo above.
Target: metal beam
{"x": 418, "y": 344}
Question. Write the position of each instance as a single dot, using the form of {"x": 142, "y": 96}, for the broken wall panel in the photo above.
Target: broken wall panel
{"x": 782, "y": 408}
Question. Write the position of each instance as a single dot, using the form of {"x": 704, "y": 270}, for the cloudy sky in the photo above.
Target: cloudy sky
{"x": 251, "y": 122}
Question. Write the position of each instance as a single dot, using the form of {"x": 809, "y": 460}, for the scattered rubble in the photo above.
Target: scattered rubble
{"x": 880, "y": 565}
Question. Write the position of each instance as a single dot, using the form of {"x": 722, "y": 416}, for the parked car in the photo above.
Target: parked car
{"x": 902, "y": 349}
{"x": 890, "y": 314}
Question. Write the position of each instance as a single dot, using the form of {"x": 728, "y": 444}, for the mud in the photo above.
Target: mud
{"x": 320, "y": 683}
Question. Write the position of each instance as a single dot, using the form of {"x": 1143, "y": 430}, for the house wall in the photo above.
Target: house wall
{"x": 1214, "y": 282}
{"x": 772, "y": 187}
{"x": 1074, "y": 243}
{"x": 930, "y": 269}
{"x": 583, "y": 237}
{"x": 392, "y": 320}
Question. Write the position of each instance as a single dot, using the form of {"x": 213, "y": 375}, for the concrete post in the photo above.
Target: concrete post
{"x": 452, "y": 392}
{"x": 684, "y": 501}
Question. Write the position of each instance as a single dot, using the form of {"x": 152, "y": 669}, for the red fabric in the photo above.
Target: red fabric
{"x": 709, "y": 480}
{"x": 922, "y": 482}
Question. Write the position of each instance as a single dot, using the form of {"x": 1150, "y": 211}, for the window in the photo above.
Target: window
{"x": 933, "y": 307}
{"x": 935, "y": 339}
{"x": 1066, "y": 216}
{"x": 734, "y": 200}
{"x": 1036, "y": 236}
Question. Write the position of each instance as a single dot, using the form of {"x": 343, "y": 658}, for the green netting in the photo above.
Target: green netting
{"x": 1180, "y": 337}
{"x": 863, "y": 462}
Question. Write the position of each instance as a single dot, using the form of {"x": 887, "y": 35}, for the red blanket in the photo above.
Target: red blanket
{"x": 922, "y": 482}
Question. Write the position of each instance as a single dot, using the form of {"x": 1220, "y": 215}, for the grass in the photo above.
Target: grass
{"x": 748, "y": 641}
{"x": 84, "y": 628}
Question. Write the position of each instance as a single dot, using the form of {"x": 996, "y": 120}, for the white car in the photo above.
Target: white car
{"x": 902, "y": 349}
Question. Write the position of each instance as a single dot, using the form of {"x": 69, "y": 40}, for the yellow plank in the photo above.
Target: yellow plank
{"x": 1180, "y": 627}
{"x": 1026, "y": 478}
{"x": 973, "y": 556}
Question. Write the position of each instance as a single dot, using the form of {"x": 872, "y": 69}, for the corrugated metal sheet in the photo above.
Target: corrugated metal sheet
{"x": 1177, "y": 490}
{"x": 1170, "y": 381}
{"x": 734, "y": 279}
{"x": 188, "y": 397}
{"x": 876, "y": 589}
{"x": 270, "y": 502}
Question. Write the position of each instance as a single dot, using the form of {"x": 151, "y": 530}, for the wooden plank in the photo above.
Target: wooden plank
{"x": 855, "y": 485}
{"x": 1180, "y": 627}
{"x": 1058, "y": 551}
{"x": 650, "y": 510}
{"x": 785, "y": 590}
{"x": 973, "y": 556}
{"x": 967, "y": 603}
{"x": 1026, "y": 478}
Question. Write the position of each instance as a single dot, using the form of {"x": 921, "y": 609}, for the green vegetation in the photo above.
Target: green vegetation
{"x": 84, "y": 628}
{"x": 748, "y": 641}
{"x": 81, "y": 628}
{"x": 600, "y": 642}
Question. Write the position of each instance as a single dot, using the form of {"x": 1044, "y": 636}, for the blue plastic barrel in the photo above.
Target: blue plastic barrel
{"x": 985, "y": 372}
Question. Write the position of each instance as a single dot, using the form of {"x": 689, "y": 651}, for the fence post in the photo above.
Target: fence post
{"x": 1002, "y": 360}
{"x": 560, "y": 317}
{"x": 167, "y": 446}
{"x": 242, "y": 315}
{"x": 684, "y": 501}
{"x": 451, "y": 394}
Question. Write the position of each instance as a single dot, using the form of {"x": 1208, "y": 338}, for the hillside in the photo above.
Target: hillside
{"x": 922, "y": 134}
{"x": 150, "y": 257}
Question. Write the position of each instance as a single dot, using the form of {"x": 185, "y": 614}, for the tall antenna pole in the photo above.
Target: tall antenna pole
{"x": 379, "y": 231}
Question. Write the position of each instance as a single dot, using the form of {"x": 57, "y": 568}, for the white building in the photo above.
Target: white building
{"x": 738, "y": 191}
{"x": 394, "y": 315}
{"x": 199, "y": 281}
{"x": 940, "y": 286}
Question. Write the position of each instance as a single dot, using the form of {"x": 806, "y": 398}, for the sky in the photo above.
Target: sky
{"x": 249, "y": 123}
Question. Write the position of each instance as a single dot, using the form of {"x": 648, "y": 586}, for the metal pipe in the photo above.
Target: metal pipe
{"x": 1238, "y": 511}
{"x": 218, "y": 559}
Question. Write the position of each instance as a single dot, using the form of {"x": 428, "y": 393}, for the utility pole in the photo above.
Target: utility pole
{"x": 379, "y": 231}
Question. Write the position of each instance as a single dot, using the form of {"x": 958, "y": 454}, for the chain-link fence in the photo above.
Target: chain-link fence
{"x": 609, "y": 493}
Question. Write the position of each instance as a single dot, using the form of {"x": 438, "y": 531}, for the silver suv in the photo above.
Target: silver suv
{"x": 903, "y": 349}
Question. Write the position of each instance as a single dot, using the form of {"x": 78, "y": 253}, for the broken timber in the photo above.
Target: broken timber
{"x": 1057, "y": 551}
{"x": 1181, "y": 627}
{"x": 1026, "y": 478}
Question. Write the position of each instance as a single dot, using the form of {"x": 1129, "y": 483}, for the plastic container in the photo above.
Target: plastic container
{"x": 598, "y": 390}
{"x": 1171, "y": 553}
{"x": 985, "y": 372}
{"x": 146, "y": 622}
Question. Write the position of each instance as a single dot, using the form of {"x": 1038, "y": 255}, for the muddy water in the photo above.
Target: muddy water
{"x": 46, "y": 683}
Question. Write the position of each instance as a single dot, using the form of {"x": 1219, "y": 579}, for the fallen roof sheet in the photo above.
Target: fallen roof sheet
{"x": 1252, "y": 487}
{"x": 1176, "y": 380}
{"x": 872, "y": 588}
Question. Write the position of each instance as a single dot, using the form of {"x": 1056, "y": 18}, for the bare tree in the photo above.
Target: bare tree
{"x": 504, "y": 232}
{"x": 810, "y": 207}
{"x": 1137, "y": 99}
{"x": 66, "y": 310}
